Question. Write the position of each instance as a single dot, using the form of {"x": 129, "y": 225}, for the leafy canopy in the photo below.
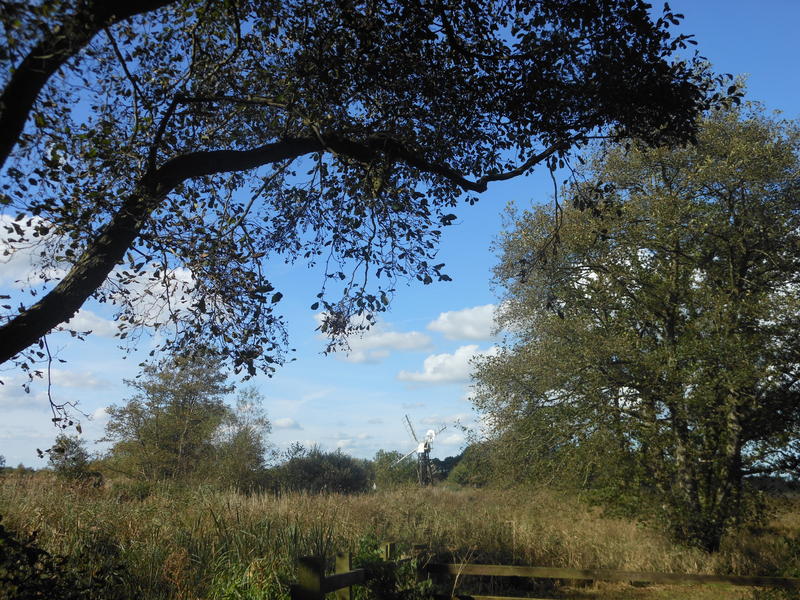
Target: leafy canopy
{"x": 178, "y": 427}
{"x": 315, "y": 471}
{"x": 69, "y": 458}
{"x": 389, "y": 470}
{"x": 159, "y": 154}
{"x": 656, "y": 341}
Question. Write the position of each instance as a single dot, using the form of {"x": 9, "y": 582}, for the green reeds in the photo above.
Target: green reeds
{"x": 182, "y": 544}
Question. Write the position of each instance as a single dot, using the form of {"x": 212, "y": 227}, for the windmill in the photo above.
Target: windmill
{"x": 423, "y": 450}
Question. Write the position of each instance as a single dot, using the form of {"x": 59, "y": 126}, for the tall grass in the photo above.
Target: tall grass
{"x": 204, "y": 543}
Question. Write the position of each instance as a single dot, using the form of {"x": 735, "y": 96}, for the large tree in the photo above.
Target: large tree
{"x": 241, "y": 445}
{"x": 658, "y": 336}
{"x": 176, "y": 425}
{"x": 157, "y": 153}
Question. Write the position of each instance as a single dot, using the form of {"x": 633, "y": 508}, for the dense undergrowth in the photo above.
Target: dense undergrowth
{"x": 171, "y": 543}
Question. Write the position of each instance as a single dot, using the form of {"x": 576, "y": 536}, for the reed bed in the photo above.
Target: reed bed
{"x": 173, "y": 543}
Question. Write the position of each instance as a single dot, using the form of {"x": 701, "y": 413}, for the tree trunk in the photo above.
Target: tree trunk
{"x": 708, "y": 489}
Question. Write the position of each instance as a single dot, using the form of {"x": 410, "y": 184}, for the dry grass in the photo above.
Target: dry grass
{"x": 210, "y": 544}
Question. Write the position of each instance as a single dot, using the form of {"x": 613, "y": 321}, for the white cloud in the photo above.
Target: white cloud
{"x": 316, "y": 395}
{"x": 12, "y": 395}
{"x": 94, "y": 426}
{"x": 154, "y": 294}
{"x": 379, "y": 341}
{"x": 410, "y": 405}
{"x": 86, "y": 320}
{"x": 437, "y": 420}
{"x": 100, "y": 414}
{"x": 286, "y": 423}
{"x": 77, "y": 379}
{"x": 153, "y": 297}
{"x": 468, "y": 324}
{"x": 452, "y": 439}
{"x": 353, "y": 443}
{"x": 447, "y": 368}
{"x": 469, "y": 394}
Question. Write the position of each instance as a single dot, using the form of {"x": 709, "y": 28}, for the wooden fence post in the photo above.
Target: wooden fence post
{"x": 389, "y": 550}
{"x": 310, "y": 573}
{"x": 344, "y": 563}
{"x": 417, "y": 551}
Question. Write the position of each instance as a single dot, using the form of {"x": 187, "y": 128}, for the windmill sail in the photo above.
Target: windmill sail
{"x": 410, "y": 428}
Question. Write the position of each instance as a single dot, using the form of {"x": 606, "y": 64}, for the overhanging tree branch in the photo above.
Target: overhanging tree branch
{"x": 118, "y": 236}
{"x": 396, "y": 149}
{"x": 58, "y": 45}
{"x": 345, "y": 84}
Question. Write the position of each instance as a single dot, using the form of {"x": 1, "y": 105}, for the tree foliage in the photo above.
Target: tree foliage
{"x": 241, "y": 445}
{"x": 69, "y": 458}
{"x": 178, "y": 427}
{"x": 158, "y": 154}
{"x": 27, "y": 572}
{"x": 316, "y": 471}
{"x": 475, "y": 466}
{"x": 656, "y": 342}
{"x": 389, "y": 473}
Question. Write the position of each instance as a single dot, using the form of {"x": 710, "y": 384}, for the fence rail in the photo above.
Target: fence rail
{"x": 610, "y": 575}
{"x": 313, "y": 584}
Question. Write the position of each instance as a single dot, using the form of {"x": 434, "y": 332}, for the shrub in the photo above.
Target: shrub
{"x": 316, "y": 471}
{"x": 28, "y": 572}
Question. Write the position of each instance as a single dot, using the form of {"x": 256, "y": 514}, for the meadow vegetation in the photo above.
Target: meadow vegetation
{"x": 159, "y": 541}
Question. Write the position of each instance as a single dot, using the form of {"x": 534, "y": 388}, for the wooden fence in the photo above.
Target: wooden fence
{"x": 313, "y": 584}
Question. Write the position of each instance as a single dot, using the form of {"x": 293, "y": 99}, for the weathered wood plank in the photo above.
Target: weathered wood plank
{"x": 344, "y": 564}
{"x": 310, "y": 574}
{"x": 388, "y": 551}
{"x": 342, "y": 580}
{"x": 611, "y": 575}
{"x": 471, "y": 597}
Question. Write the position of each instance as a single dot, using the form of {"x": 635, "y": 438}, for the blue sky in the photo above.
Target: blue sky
{"x": 416, "y": 360}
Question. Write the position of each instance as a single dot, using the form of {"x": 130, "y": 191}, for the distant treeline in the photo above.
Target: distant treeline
{"x": 299, "y": 469}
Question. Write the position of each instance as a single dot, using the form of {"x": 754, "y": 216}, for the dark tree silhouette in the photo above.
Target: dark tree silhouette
{"x": 159, "y": 154}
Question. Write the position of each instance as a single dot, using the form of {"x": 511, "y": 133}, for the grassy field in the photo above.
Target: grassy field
{"x": 178, "y": 544}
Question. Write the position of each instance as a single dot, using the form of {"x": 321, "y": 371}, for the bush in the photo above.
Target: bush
{"x": 27, "y": 572}
{"x": 474, "y": 467}
{"x": 315, "y": 471}
{"x": 389, "y": 471}
{"x": 70, "y": 459}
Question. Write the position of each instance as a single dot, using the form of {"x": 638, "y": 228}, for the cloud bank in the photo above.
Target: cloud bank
{"x": 468, "y": 324}
{"x": 447, "y": 368}
{"x": 379, "y": 341}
